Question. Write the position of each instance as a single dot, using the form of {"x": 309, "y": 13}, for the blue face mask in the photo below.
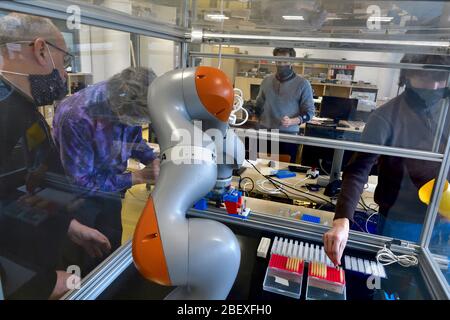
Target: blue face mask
{"x": 45, "y": 88}
{"x": 430, "y": 97}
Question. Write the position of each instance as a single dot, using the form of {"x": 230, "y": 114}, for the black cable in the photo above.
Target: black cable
{"x": 268, "y": 178}
{"x": 288, "y": 186}
{"x": 242, "y": 179}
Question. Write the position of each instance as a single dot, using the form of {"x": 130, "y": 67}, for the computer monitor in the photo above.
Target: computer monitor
{"x": 338, "y": 108}
{"x": 254, "y": 91}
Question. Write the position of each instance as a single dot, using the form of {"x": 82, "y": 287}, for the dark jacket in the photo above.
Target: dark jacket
{"x": 404, "y": 122}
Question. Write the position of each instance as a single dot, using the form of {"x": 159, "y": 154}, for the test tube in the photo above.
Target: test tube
{"x": 290, "y": 248}
{"x": 285, "y": 244}
{"x": 311, "y": 252}
{"x": 322, "y": 255}
{"x": 306, "y": 252}
{"x": 280, "y": 246}
{"x": 317, "y": 253}
{"x": 300, "y": 250}
{"x": 295, "y": 251}
{"x": 274, "y": 245}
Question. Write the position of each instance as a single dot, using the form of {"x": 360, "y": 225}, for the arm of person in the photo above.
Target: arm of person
{"x": 355, "y": 177}
{"x": 77, "y": 156}
{"x": 306, "y": 105}
{"x": 141, "y": 150}
{"x": 260, "y": 101}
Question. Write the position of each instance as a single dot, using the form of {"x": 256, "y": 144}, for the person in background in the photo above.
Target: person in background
{"x": 33, "y": 57}
{"x": 408, "y": 121}
{"x": 285, "y": 101}
{"x": 97, "y": 130}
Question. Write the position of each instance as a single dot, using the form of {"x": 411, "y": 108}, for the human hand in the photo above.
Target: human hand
{"x": 147, "y": 175}
{"x": 335, "y": 240}
{"x": 91, "y": 240}
{"x": 287, "y": 122}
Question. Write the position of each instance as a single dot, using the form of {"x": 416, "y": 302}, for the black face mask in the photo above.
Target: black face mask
{"x": 46, "y": 89}
{"x": 429, "y": 97}
{"x": 284, "y": 72}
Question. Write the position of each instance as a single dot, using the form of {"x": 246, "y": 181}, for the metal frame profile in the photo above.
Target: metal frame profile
{"x": 95, "y": 16}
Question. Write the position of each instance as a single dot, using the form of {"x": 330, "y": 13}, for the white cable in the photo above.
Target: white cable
{"x": 368, "y": 219}
{"x": 260, "y": 183}
{"x": 320, "y": 165}
{"x": 387, "y": 257}
{"x": 238, "y": 104}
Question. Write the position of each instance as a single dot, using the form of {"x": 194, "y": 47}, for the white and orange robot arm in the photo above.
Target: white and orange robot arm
{"x": 189, "y": 109}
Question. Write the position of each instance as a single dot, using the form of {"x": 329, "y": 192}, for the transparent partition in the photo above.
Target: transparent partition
{"x": 165, "y": 12}
{"x": 357, "y": 24}
{"x": 363, "y": 103}
{"x": 73, "y": 139}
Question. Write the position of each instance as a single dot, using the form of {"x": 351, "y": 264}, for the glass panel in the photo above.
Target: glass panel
{"x": 382, "y": 106}
{"x": 73, "y": 118}
{"x": 325, "y": 18}
{"x": 166, "y": 12}
{"x": 384, "y": 114}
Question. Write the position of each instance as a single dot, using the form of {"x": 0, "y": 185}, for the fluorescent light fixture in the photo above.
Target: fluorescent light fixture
{"x": 334, "y": 18}
{"x": 217, "y": 17}
{"x": 293, "y": 18}
{"x": 380, "y": 19}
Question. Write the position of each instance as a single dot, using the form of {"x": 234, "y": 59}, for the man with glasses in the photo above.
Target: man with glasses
{"x": 33, "y": 57}
{"x": 285, "y": 101}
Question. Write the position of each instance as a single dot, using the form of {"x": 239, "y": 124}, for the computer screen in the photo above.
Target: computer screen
{"x": 338, "y": 108}
{"x": 254, "y": 91}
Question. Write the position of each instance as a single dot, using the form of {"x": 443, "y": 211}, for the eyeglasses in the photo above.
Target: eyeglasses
{"x": 68, "y": 57}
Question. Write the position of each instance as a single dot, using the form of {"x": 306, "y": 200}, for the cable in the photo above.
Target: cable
{"x": 320, "y": 165}
{"x": 268, "y": 178}
{"x": 242, "y": 179}
{"x": 386, "y": 257}
{"x": 368, "y": 219}
{"x": 290, "y": 187}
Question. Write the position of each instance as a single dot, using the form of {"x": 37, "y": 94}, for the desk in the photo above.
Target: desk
{"x": 299, "y": 181}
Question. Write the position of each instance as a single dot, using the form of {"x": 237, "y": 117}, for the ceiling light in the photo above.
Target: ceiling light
{"x": 217, "y": 17}
{"x": 380, "y": 19}
{"x": 293, "y": 18}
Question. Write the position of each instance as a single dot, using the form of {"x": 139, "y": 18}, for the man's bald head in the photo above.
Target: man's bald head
{"x": 16, "y": 27}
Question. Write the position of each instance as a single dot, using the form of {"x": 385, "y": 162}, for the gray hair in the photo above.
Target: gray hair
{"x": 127, "y": 94}
{"x": 16, "y": 27}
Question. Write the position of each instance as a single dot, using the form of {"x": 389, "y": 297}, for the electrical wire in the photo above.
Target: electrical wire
{"x": 273, "y": 181}
{"x": 368, "y": 219}
{"x": 386, "y": 257}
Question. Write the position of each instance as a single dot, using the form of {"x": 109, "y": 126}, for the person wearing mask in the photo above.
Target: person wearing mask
{"x": 408, "y": 121}
{"x": 97, "y": 130}
{"x": 33, "y": 56}
{"x": 285, "y": 101}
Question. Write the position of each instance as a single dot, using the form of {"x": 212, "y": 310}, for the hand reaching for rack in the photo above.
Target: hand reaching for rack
{"x": 335, "y": 240}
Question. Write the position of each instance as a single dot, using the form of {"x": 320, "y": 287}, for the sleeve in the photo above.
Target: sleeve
{"x": 356, "y": 173}
{"x": 140, "y": 150}
{"x": 260, "y": 101}
{"x": 77, "y": 156}
{"x": 306, "y": 105}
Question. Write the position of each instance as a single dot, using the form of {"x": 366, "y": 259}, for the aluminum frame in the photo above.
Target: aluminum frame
{"x": 95, "y": 16}
{"x": 339, "y": 144}
{"x": 391, "y": 65}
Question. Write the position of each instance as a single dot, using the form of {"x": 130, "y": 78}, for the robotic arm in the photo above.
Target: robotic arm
{"x": 189, "y": 110}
